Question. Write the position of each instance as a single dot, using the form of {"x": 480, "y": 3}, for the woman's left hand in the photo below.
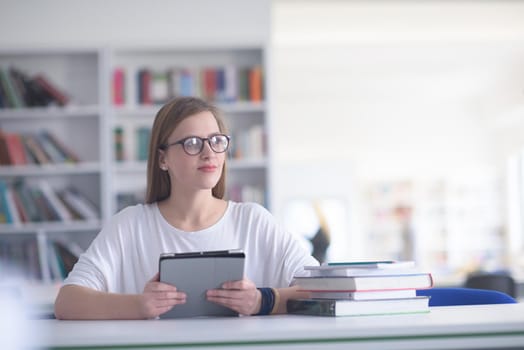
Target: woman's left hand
{"x": 241, "y": 296}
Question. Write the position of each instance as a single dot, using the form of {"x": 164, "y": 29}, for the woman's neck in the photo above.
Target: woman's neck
{"x": 192, "y": 213}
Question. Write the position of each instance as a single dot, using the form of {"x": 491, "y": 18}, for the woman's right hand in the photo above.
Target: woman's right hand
{"x": 158, "y": 298}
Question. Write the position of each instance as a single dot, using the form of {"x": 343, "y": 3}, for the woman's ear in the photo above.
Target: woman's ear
{"x": 162, "y": 163}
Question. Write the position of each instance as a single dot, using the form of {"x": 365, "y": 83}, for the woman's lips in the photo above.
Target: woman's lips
{"x": 208, "y": 168}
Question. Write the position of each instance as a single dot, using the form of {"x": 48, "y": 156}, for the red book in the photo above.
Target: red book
{"x": 15, "y": 148}
{"x": 118, "y": 86}
{"x": 145, "y": 86}
{"x": 210, "y": 83}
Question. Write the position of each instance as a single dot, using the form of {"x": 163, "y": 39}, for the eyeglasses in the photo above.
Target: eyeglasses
{"x": 193, "y": 145}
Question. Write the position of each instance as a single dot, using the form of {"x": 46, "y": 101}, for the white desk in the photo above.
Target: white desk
{"x": 465, "y": 327}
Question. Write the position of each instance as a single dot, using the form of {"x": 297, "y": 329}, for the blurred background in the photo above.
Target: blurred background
{"x": 394, "y": 129}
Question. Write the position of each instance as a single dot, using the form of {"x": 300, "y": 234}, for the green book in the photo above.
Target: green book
{"x": 142, "y": 135}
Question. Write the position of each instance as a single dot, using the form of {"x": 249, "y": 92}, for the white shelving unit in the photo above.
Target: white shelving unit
{"x": 80, "y": 126}
{"x": 86, "y": 125}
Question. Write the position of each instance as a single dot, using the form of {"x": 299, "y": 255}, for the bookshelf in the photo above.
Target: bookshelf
{"x": 102, "y": 87}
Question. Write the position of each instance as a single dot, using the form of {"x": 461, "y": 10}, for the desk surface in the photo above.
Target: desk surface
{"x": 464, "y": 327}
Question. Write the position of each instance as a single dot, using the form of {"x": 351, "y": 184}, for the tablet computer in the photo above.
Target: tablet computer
{"x": 196, "y": 272}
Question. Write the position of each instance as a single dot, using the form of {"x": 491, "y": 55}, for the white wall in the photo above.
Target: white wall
{"x": 390, "y": 81}
{"x": 63, "y": 23}
{"x": 394, "y": 90}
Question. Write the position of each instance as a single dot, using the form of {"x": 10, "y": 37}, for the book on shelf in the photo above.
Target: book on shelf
{"x": 143, "y": 135}
{"x": 79, "y": 203}
{"x": 19, "y": 90}
{"x": 119, "y": 77}
{"x": 5, "y": 214}
{"x": 35, "y": 150}
{"x": 23, "y": 215}
{"x": 15, "y": 149}
{"x": 45, "y": 208}
{"x": 248, "y": 143}
{"x": 338, "y": 307}
{"x": 42, "y": 147}
{"x": 56, "y": 268}
{"x": 365, "y": 282}
{"x": 59, "y": 96}
{"x": 225, "y": 84}
{"x": 159, "y": 87}
{"x": 53, "y": 201}
{"x": 62, "y": 152}
{"x": 118, "y": 139}
{"x": 39, "y": 202}
{"x": 5, "y": 158}
{"x": 12, "y": 206}
{"x": 62, "y": 256}
{"x": 11, "y": 95}
{"x": 28, "y": 208}
{"x": 22, "y": 255}
{"x": 52, "y": 153}
{"x": 144, "y": 86}
{"x": 255, "y": 84}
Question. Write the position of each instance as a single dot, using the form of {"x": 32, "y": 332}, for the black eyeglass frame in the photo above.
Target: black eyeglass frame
{"x": 203, "y": 139}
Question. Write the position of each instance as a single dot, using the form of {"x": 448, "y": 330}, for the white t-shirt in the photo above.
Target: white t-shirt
{"x": 125, "y": 254}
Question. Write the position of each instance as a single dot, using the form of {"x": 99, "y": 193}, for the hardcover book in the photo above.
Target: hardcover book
{"x": 366, "y": 295}
{"x": 337, "y": 307}
{"x": 358, "y": 268}
{"x": 365, "y": 282}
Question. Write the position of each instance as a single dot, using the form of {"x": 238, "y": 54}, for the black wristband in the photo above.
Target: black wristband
{"x": 267, "y": 301}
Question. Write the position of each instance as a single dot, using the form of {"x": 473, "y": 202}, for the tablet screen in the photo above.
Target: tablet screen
{"x": 196, "y": 272}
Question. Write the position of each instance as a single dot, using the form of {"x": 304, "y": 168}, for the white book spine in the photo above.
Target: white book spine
{"x": 80, "y": 205}
{"x": 11, "y": 206}
{"x": 53, "y": 199}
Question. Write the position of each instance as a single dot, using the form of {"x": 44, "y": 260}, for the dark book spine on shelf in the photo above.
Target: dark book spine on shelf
{"x": 144, "y": 87}
{"x": 4, "y": 151}
{"x": 58, "y": 95}
{"x": 46, "y": 210}
{"x": 118, "y": 135}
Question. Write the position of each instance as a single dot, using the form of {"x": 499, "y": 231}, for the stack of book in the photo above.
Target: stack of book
{"x": 362, "y": 288}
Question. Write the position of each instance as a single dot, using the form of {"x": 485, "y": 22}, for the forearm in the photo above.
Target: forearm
{"x": 76, "y": 303}
{"x": 288, "y": 293}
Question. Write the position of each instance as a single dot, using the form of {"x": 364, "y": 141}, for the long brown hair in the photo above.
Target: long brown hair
{"x": 166, "y": 120}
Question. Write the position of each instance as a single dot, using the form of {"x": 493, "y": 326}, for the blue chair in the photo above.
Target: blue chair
{"x": 464, "y": 296}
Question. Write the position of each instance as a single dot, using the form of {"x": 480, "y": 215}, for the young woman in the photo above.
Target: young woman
{"x": 117, "y": 277}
